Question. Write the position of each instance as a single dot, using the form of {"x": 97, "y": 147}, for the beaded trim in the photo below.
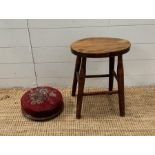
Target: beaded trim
{"x": 38, "y": 95}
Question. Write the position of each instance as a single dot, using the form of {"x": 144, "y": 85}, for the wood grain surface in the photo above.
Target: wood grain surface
{"x": 100, "y": 47}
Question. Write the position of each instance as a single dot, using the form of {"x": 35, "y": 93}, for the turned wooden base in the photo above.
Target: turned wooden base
{"x": 80, "y": 75}
{"x": 99, "y": 48}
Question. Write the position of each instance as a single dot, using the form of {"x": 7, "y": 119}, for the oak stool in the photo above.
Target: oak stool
{"x": 99, "y": 48}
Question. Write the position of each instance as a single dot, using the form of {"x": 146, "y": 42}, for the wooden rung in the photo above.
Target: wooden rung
{"x": 97, "y": 76}
{"x": 101, "y": 93}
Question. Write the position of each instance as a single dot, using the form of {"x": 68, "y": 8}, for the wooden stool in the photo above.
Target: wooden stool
{"x": 99, "y": 48}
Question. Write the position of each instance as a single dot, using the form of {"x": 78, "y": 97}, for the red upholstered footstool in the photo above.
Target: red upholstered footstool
{"x": 42, "y": 103}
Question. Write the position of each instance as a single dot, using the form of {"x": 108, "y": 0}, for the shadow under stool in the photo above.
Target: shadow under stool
{"x": 99, "y": 48}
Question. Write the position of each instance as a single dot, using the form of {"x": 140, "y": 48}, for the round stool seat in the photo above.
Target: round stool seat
{"x": 42, "y": 103}
{"x": 100, "y": 47}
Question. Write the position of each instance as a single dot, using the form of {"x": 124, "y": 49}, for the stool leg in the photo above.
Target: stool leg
{"x": 120, "y": 74}
{"x": 111, "y": 69}
{"x": 81, "y": 88}
{"x": 77, "y": 67}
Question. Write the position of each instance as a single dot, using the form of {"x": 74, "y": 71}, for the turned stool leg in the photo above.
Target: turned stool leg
{"x": 77, "y": 67}
{"x": 111, "y": 69}
{"x": 120, "y": 74}
{"x": 81, "y": 83}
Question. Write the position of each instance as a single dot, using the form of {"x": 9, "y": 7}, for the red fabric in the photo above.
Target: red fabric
{"x": 42, "y": 102}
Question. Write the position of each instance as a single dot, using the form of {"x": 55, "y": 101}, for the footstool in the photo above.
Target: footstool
{"x": 42, "y": 103}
